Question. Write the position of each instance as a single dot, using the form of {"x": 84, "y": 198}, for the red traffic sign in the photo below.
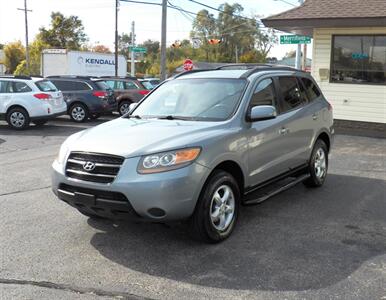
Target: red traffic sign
{"x": 188, "y": 64}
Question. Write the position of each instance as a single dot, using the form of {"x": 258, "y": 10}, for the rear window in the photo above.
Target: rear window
{"x": 46, "y": 86}
{"x": 67, "y": 85}
{"x": 102, "y": 85}
{"x": 311, "y": 89}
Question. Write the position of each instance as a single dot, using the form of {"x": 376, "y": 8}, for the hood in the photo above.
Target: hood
{"x": 133, "y": 137}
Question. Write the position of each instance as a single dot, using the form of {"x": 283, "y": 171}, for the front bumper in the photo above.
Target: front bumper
{"x": 166, "y": 196}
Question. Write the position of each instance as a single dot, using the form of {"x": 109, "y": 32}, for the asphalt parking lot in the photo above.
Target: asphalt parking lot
{"x": 328, "y": 243}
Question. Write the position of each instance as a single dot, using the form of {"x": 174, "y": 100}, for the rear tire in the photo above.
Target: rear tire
{"x": 18, "y": 118}
{"x": 124, "y": 107}
{"x": 78, "y": 113}
{"x": 318, "y": 165}
{"x": 217, "y": 209}
{"x": 39, "y": 122}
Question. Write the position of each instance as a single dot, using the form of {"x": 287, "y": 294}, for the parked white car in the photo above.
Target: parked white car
{"x": 25, "y": 99}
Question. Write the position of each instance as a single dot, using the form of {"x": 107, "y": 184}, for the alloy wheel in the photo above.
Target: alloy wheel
{"x": 222, "y": 208}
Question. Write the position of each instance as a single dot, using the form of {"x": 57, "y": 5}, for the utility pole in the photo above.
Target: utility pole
{"x": 132, "y": 49}
{"x": 305, "y": 57}
{"x": 116, "y": 36}
{"x": 298, "y": 61}
{"x": 163, "y": 40}
{"x": 26, "y": 33}
{"x": 237, "y": 54}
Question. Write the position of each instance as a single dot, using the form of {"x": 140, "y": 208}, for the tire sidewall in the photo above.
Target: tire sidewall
{"x": 316, "y": 180}
{"x": 26, "y": 118}
{"x": 218, "y": 179}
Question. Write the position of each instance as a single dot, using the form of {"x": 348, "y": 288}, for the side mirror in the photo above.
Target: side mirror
{"x": 262, "y": 112}
{"x": 132, "y": 106}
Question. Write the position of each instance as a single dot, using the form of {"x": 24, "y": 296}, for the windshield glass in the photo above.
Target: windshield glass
{"x": 196, "y": 99}
{"x": 46, "y": 86}
{"x": 147, "y": 85}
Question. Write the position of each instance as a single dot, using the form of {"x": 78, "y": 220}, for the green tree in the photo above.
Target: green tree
{"x": 204, "y": 27}
{"x": 35, "y": 51}
{"x": 64, "y": 32}
{"x": 14, "y": 53}
{"x": 265, "y": 41}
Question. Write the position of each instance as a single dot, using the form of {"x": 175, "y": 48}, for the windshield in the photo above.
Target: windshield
{"x": 46, "y": 86}
{"x": 196, "y": 99}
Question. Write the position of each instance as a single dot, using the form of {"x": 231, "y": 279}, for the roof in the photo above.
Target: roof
{"x": 330, "y": 13}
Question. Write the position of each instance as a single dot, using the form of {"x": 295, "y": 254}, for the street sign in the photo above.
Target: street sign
{"x": 188, "y": 64}
{"x": 295, "y": 39}
{"x": 138, "y": 49}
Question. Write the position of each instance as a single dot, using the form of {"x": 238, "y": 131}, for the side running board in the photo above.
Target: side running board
{"x": 273, "y": 189}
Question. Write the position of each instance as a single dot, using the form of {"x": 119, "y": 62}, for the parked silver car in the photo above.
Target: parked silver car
{"x": 199, "y": 146}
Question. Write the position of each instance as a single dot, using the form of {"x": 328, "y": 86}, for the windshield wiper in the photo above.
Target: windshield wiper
{"x": 171, "y": 117}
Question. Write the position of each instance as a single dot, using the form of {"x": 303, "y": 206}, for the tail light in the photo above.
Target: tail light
{"x": 100, "y": 94}
{"x": 42, "y": 96}
{"x": 143, "y": 92}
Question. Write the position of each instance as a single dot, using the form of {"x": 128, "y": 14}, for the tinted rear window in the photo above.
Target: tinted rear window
{"x": 311, "y": 89}
{"x": 46, "y": 86}
{"x": 291, "y": 94}
{"x": 67, "y": 85}
{"x": 102, "y": 85}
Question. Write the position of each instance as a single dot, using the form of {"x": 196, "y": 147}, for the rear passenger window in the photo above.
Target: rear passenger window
{"x": 264, "y": 93}
{"x": 21, "y": 87}
{"x": 66, "y": 85}
{"x": 311, "y": 89}
{"x": 291, "y": 94}
{"x": 130, "y": 85}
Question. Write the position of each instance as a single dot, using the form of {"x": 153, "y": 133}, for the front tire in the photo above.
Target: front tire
{"x": 78, "y": 113}
{"x": 18, "y": 118}
{"x": 217, "y": 209}
{"x": 318, "y": 165}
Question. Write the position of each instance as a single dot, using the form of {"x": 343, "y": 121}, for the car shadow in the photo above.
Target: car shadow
{"x": 300, "y": 239}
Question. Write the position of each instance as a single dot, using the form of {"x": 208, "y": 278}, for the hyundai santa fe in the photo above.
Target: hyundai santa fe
{"x": 199, "y": 146}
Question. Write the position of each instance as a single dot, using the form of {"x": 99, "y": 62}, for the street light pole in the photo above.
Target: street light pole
{"x": 132, "y": 69}
{"x": 163, "y": 40}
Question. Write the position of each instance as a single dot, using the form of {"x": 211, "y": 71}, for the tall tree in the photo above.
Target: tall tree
{"x": 101, "y": 49}
{"x": 265, "y": 41}
{"x": 14, "y": 53}
{"x": 64, "y": 32}
{"x": 35, "y": 50}
{"x": 204, "y": 27}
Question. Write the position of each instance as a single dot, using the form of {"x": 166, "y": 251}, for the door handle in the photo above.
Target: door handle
{"x": 283, "y": 130}
{"x": 314, "y": 116}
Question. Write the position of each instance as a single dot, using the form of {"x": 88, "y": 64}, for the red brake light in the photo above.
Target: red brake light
{"x": 143, "y": 92}
{"x": 42, "y": 96}
{"x": 100, "y": 94}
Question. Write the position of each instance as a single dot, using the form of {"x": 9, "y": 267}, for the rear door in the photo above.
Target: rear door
{"x": 297, "y": 128}
{"x": 5, "y": 95}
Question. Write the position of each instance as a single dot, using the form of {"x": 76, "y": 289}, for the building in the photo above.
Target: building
{"x": 349, "y": 53}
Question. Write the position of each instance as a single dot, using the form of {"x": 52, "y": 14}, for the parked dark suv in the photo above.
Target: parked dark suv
{"x": 127, "y": 90}
{"x": 86, "y": 97}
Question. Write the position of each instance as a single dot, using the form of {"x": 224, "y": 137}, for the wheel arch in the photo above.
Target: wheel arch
{"x": 15, "y": 106}
{"x": 325, "y": 138}
{"x": 74, "y": 103}
{"x": 233, "y": 168}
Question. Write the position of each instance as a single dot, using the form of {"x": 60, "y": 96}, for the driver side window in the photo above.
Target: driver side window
{"x": 264, "y": 94}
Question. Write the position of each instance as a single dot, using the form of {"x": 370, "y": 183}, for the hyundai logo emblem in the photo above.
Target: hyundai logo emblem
{"x": 89, "y": 166}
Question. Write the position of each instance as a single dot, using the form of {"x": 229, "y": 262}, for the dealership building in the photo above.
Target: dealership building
{"x": 349, "y": 53}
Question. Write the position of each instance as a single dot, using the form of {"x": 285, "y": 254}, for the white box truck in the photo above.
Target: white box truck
{"x": 68, "y": 62}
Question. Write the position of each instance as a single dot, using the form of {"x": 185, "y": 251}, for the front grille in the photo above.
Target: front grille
{"x": 105, "y": 167}
{"x": 99, "y": 194}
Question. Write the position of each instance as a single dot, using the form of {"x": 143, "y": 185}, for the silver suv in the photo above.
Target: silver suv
{"x": 199, "y": 146}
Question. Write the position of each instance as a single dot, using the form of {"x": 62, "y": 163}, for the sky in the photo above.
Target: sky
{"x": 98, "y": 17}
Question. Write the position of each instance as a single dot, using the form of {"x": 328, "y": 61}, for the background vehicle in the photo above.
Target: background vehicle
{"x": 127, "y": 90}
{"x": 199, "y": 146}
{"x": 65, "y": 62}
{"x": 150, "y": 83}
{"x": 24, "y": 99}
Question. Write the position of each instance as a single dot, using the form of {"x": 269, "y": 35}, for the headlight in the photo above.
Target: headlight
{"x": 62, "y": 153}
{"x": 167, "y": 161}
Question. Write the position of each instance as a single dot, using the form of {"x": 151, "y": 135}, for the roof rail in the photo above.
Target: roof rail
{"x": 190, "y": 72}
{"x": 119, "y": 77}
{"x": 271, "y": 68}
{"x": 70, "y": 76}
{"x": 16, "y": 76}
{"x": 238, "y": 66}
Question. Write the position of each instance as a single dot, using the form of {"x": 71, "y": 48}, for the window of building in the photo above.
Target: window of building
{"x": 264, "y": 93}
{"x": 359, "y": 59}
{"x": 291, "y": 95}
